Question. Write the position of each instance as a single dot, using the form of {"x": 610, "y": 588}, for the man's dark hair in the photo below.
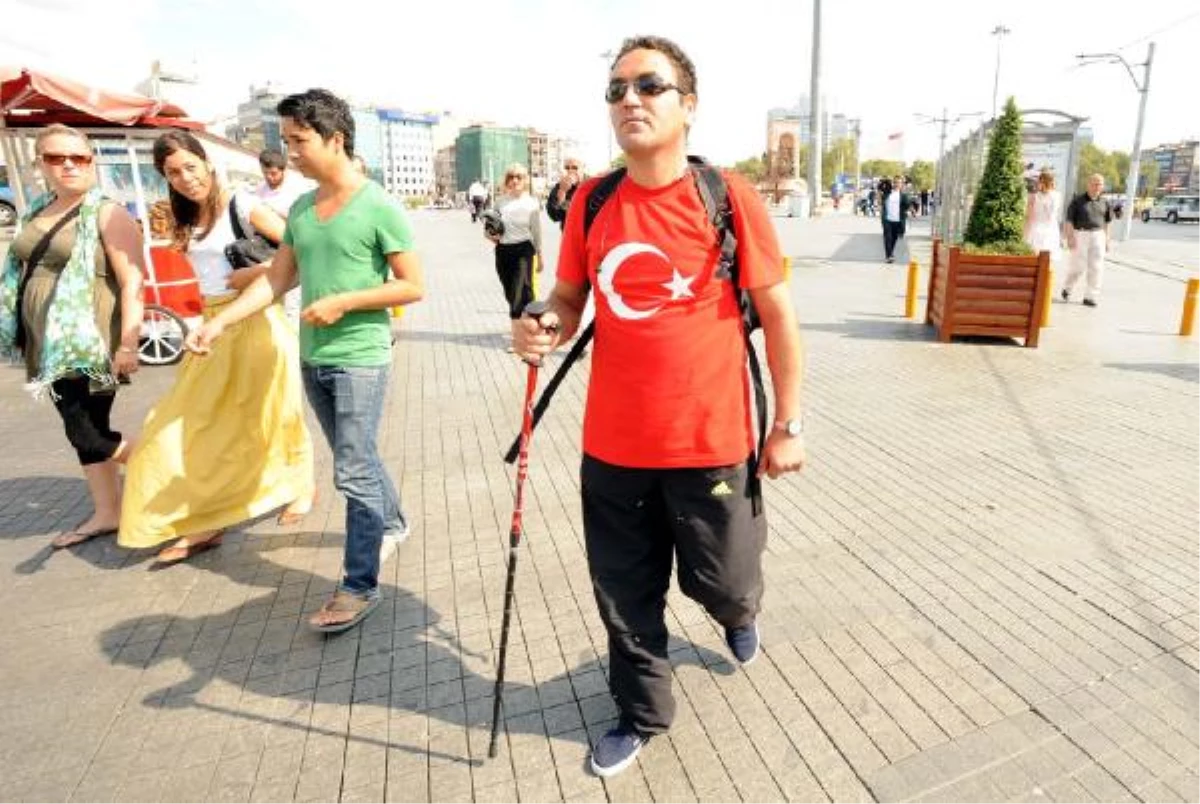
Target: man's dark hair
{"x": 270, "y": 158}
{"x": 685, "y": 71}
{"x": 323, "y": 112}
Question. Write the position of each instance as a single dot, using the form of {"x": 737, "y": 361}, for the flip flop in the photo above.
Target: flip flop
{"x": 359, "y": 607}
{"x": 70, "y": 538}
{"x": 173, "y": 554}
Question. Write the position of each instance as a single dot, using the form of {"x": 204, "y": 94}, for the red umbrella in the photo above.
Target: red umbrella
{"x": 35, "y": 98}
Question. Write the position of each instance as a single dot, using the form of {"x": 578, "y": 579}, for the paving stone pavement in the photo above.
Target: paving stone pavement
{"x": 983, "y": 587}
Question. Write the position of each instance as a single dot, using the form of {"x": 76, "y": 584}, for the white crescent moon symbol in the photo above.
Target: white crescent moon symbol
{"x": 606, "y": 275}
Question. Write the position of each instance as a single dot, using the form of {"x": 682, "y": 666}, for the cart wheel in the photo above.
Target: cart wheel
{"x": 163, "y": 333}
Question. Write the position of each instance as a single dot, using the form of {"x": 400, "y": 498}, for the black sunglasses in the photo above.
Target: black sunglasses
{"x": 651, "y": 84}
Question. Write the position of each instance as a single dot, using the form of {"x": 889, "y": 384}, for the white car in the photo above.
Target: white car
{"x": 1174, "y": 208}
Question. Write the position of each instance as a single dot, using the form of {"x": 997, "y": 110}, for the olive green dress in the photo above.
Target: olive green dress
{"x": 39, "y": 291}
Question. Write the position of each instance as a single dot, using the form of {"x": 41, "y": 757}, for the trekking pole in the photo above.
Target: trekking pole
{"x": 534, "y": 309}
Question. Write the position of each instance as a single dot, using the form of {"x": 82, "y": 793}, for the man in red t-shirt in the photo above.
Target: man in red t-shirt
{"x": 668, "y": 469}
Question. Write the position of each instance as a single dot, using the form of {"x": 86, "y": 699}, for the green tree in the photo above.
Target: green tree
{"x": 1149, "y": 171}
{"x": 753, "y": 169}
{"x": 619, "y": 162}
{"x": 998, "y": 214}
{"x": 921, "y": 174}
{"x": 882, "y": 167}
{"x": 838, "y": 159}
{"x": 1119, "y": 161}
{"x": 1092, "y": 160}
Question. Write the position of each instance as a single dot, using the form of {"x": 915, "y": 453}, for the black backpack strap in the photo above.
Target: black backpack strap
{"x": 238, "y": 231}
{"x": 714, "y": 193}
{"x": 35, "y": 257}
{"x": 548, "y": 392}
{"x": 596, "y": 200}
{"x": 598, "y": 197}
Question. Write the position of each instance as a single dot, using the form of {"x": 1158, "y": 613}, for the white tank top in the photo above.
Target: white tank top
{"x": 208, "y": 255}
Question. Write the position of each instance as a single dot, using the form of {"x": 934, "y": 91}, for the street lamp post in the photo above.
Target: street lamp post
{"x": 815, "y": 138}
{"x": 1135, "y": 158}
{"x": 946, "y": 120}
{"x": 857, "y": 156}
{"x": 999, "y": 32}
{"x": 608, "y": 56}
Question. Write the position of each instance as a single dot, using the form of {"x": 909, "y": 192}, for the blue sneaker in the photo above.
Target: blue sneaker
{"x": 617, "y": 750}
{"x": 744, "y": 643}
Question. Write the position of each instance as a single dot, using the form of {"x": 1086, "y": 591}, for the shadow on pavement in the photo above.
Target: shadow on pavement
{"x": 402, "y": 658}
{"x": 35, "y": 506}
{"x": 877, "y": 329}
{"x": 496, "y": 339}
{"x": 1188, "y": 372}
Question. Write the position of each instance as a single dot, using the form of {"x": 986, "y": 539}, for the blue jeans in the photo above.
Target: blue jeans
{"x": 348, "y": 402}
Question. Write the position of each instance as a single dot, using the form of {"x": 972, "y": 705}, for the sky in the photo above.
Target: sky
{"x": 539, "y": 62}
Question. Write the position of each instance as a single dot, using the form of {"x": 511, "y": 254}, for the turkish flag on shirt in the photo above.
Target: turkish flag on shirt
{"x": 669, "y": 387}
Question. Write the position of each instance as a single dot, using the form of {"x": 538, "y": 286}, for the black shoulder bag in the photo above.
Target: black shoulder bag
{"x": 247, "y": 250}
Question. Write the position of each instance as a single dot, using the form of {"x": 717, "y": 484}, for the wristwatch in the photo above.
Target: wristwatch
{"x": 793, "y": 427}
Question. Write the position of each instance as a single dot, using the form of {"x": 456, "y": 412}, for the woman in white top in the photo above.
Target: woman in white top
{"x": 520, "y": 242}
{"x": 1043, "y": 217}
{"x": 228, "y": 442}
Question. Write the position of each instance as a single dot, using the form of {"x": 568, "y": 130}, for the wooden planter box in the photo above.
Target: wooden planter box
{"x": 986, "y": 294}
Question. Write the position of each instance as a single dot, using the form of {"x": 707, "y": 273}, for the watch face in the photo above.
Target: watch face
{"x": 795, "y": 427}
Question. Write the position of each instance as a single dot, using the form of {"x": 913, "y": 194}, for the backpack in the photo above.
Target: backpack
{"x": 714, "y": 193}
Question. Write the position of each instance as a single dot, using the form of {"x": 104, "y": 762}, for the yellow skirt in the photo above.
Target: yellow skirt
{"x": 228, "y": 442}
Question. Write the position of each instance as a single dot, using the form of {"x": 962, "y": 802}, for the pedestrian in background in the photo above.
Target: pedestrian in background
{"x": 477, "y": 196}
{"x": 279, "y": 190}
{"x": 520, "y": 241}
{"x": 1043, "y": 217}
{"x": 894, "y": 210}
{"x": 1087, "y": 232}
{"x": 559, "y": 199}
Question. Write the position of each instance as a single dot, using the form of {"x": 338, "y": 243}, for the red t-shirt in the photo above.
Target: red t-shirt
{"x": 669, "y": 385}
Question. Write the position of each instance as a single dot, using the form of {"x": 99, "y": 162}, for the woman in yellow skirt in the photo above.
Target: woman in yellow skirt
{"x": 228, "y": 442}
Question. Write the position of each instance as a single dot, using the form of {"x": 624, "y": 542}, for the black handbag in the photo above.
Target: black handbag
{"x": 247, "y": 250}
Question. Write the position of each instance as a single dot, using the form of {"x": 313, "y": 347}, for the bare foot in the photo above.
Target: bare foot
{"x": 191, "y": 545}
{"x": 296, "y": 511}
{"x": 84, "y": 531}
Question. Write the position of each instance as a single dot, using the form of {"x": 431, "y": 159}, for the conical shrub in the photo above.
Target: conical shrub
{"x": 998, "y": 214}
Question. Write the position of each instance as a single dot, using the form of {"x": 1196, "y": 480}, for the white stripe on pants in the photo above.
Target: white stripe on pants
{"x": 1088, "y": 254}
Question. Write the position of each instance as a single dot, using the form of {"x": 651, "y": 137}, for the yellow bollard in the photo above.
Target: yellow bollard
{"x": 1047, "y": 298}
{"x": 787, "y": 270}
{"x": 1187, "y": 324}
{"x": 533, "y": 280}
{"x": 910, "y": 298}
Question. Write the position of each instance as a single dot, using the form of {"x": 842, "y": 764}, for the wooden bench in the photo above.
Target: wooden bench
{"x": 986, "y": 294}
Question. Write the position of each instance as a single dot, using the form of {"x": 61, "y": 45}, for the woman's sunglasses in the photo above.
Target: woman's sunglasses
{"x": 58, "y": 160}
{"x": 647, "y": 84}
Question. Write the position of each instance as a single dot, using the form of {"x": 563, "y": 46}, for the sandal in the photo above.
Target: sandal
{"x": 288, "y": 518}
{"x": 176, "y": 553}
{"x": 343, "y": 603}
{"x": 72, "y": 537}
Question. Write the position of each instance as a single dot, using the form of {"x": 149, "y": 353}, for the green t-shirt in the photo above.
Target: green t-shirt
{"x": 345, "y": 253}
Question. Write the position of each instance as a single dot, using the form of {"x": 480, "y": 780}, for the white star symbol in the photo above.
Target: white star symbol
{"x": 680, "y": 288}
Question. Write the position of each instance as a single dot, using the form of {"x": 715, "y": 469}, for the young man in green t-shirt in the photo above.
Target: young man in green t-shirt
{"x": 342, "y": 243}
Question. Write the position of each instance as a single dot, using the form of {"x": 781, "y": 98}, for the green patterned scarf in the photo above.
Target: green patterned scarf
{"x": 72, "y": 343}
